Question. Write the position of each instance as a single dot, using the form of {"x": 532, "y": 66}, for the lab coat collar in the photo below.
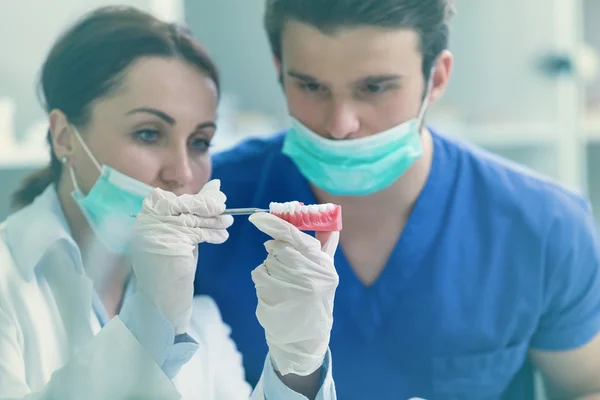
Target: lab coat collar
{"x": 37, "y": 228}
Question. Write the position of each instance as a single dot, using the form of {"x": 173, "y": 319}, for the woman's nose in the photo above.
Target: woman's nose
{"x": 177, "y": 172}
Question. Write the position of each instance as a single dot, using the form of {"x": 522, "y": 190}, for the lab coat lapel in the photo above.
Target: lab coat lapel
{"x": 72, "y": 291}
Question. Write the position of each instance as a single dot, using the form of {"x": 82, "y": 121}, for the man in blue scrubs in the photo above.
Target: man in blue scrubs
{"x": 460, "y": 272}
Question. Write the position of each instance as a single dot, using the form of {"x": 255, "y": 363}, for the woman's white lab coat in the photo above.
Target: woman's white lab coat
{"x": 51, "y": 343}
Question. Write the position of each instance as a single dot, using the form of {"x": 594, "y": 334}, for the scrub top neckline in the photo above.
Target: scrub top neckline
{"x": 375, "y": 301}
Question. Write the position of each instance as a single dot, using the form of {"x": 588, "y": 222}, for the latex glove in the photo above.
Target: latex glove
{"x": 164, "y": 247}
{"x": 295, "y": 286}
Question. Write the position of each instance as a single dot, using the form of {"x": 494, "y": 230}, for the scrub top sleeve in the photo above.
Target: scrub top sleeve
{"x": 571, "y": 314}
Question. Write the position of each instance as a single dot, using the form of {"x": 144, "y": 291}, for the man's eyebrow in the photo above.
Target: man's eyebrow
{"x": 377, "y": 79}
{"x": 370, "y": 79}
{"x": 301, "y": 76}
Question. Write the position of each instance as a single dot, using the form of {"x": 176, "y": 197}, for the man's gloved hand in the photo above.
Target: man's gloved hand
{"x": 164, "y": 247}
{"x": 295, "y": 286}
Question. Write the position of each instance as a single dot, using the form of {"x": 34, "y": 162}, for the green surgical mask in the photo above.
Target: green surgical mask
{"x": 356, "y": 167}
{"x": 109, "y": 204}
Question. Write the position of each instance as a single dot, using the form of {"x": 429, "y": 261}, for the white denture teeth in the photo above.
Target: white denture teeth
{"x": 289, "y": 207}
{"x": 294, "y": 207}
{"x": 274, "y": 207}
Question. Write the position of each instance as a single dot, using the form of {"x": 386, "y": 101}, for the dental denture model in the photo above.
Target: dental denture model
{"x": 315, "y": 217}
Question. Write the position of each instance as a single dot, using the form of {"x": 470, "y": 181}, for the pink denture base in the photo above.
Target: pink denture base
{"x": 322, "y": 221}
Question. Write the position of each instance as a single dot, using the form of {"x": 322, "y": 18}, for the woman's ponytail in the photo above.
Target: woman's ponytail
{"x": 34, "y": 184}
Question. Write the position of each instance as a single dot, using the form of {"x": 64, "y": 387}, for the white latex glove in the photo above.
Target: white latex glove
{"x": 164, "y": 247}
{"x": 295, "y": 286}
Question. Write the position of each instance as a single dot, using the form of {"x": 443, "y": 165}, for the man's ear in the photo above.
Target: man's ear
{"x": 60, "y": 130}
{"x": 277, "y": 64}
{"x": 441, "y": 75}
{"x": 278, "y": 67}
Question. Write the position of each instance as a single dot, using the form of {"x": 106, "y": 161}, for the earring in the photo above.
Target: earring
{"x": 63, "y": 159}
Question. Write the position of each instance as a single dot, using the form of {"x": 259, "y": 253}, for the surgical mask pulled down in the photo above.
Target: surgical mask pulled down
{"x": 109, "y": 203}
{"x": 356, "y": 167}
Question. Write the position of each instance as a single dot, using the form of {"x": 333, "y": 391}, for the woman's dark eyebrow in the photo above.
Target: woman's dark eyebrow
{"x": 168, "y": 119}
{"x": 165, "y": 117}
{"x": 208, "y": 124}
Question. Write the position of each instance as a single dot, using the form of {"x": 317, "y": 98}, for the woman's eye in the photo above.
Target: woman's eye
{"x": 147, "y": 135}
{"x": 200, "y": 145}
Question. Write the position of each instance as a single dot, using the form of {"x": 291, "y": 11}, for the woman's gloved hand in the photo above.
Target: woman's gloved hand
{"x": 164, "y": 247}
{"x": 295, "y": 286}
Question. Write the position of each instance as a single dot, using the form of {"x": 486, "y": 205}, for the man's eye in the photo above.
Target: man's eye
{"x": 374, "y": 88}
{"x": 311, "y": 86}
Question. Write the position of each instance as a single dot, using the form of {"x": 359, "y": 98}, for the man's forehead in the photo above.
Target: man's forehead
{"x": 298, "y": 34}
{"x": 349, "y": 54}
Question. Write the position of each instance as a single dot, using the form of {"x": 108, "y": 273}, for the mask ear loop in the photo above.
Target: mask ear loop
{"x": 426, "y": 99}
{"x": 88, "y": 152}
{"x": 86, "y": 149}
{"x": 63, "y": 160}
{"x": 72, "y": 175}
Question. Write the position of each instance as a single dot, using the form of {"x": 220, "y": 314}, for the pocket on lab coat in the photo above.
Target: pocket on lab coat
{"x": 479, "y": 376}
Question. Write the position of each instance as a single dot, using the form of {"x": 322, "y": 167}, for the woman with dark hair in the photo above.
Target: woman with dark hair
{"x": 97, "y": 265}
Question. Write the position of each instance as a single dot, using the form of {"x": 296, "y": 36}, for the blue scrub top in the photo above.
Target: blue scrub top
{"x": 493, "y": 260}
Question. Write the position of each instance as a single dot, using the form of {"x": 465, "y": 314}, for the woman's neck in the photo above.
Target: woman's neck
{"x": 108, "y": 271}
